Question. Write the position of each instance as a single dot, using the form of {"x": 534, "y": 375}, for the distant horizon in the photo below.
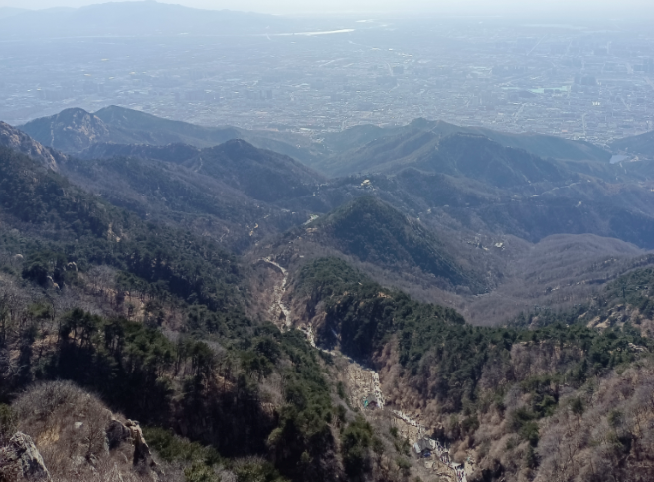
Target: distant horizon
{"x": 559, "y": 9}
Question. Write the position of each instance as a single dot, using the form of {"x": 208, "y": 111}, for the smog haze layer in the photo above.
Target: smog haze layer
{"x": 630, "y": 9}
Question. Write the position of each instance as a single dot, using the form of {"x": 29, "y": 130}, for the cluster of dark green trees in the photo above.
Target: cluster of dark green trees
{"x": 204, "y": 383}
{"x": 443, "y": 357}
{"x": 376, "y": 232}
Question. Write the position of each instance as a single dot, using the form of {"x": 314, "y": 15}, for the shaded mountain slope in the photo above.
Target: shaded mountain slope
{"x": 358, "y": 148}
{"x": 375, "y": 232}
{"x": 74, "y": 130}
{"x": 642, "y": 145}
{"x": 546, "y": 146}
{"x": 260, "y": 174}
{"x": 228, "y": 192}
{"x": 477, "y": 157}
{"x": 157, "y": 129}
{"x": 176, "y": 153}
{"x": 166, "y": 131}
{"x": 68, "y": 224}
{"x": 458, "y": 154}
{"x": 217, "y": 191}
{"x": 176, "y": 195}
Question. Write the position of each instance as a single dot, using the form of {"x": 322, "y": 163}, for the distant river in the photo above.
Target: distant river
{"x": 309, "y": 34}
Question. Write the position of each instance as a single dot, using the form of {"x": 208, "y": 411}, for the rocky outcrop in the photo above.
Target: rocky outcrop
{"x": 70, "y": 131}
{"x": 130, "y": 431}
{"x": 21, "y": 142}
{"x": 142, "y": 454}
{"x": 117, "y": 434}
{"x": 22, "y": 458}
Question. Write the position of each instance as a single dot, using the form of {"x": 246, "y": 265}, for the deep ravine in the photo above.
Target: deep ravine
{"x": 278, "y": 307}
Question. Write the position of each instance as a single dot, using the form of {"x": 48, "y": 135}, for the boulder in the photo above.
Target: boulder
{"x": 23, "y": 454}
{"x": 117, "y": 433}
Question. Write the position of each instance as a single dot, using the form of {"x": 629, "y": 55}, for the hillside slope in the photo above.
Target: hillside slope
{"x": 641, "y": 145}
{"x": 260, "y": 174}
{"x": 374, "y": 232}
{"x": 364, "y": 148}
{"x": 502, "y": 397}
{"x": 76, "y": 131}
{"x": 15, "y": 139}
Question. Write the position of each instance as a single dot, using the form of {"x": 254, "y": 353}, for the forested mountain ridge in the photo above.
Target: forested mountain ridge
{"x": 538, "y": 144}
{"x": 233, "y": 191}
{"x": 117, "y": 274}
{"x": 66, "y": 225}
{"x": 75, "y": 131}
{"x": 370, "y": 148}
{"x": 177, "y": 153}
{"x": 375, "y": 232}
{"x": 263, "y": 175}
{"x": 503, "y": 395}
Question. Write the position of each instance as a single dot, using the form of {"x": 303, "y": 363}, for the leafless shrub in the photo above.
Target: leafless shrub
{"x": 66, "y": 423}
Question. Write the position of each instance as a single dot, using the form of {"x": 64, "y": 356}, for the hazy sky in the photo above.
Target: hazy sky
{"x": 614, "y": 8}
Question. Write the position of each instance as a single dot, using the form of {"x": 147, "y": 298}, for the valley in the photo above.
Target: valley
{"x": 426, "y": 301}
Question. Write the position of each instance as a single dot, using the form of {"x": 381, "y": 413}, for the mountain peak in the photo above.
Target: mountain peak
{"x": 72, "y": 130}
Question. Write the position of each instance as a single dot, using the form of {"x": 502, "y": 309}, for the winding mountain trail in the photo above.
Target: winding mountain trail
{"x": 278, "y": 309}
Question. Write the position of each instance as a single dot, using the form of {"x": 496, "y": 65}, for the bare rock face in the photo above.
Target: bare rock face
{"x": 117, "y": 434}
{"x": 130, "y": 432}
{"x": 19, "y": 141}
{"x": 142, "y": 454}
{"x": 25, "y": 457}
{"x": 70, "y": 131}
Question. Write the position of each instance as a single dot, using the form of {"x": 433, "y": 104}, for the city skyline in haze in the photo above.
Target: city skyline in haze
{"x": 627, "y": 9}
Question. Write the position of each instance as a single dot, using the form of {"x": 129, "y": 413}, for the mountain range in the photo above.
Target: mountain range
{"x": 150, "y": 18}
{"x": 367, "y": 147}
{"x": 251, "y": 307}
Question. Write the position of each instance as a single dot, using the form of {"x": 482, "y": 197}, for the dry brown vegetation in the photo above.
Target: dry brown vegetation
{"x": 69, "y": 428}
{"x": 602, "y": 431}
